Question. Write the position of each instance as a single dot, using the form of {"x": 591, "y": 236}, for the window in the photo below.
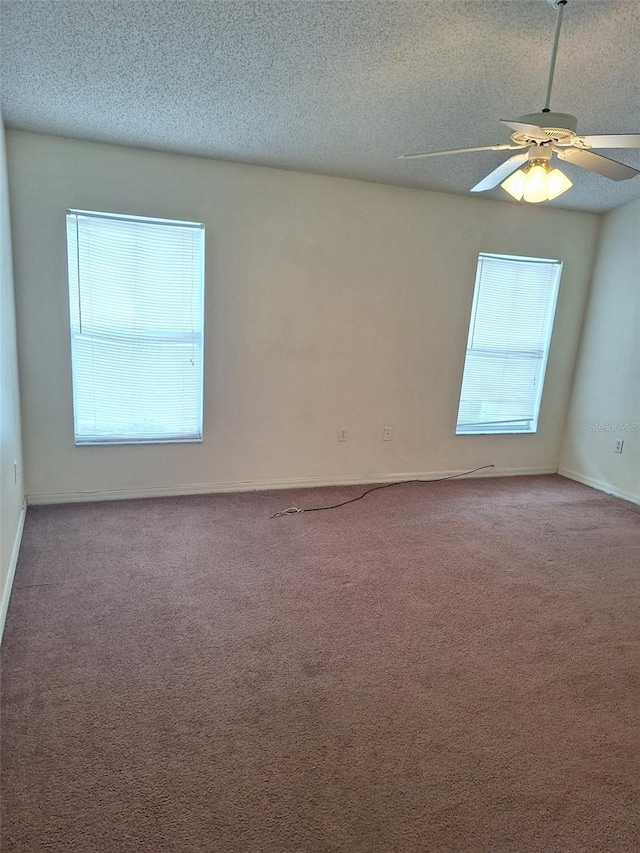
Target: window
{"x": 514, "y": 304}
{"x": 136, "y": 296}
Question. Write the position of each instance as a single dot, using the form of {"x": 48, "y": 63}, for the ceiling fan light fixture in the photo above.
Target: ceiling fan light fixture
{"x": 536, "y": 182}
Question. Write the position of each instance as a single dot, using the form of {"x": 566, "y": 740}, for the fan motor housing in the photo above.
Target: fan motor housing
{"x": 557, "y": 127}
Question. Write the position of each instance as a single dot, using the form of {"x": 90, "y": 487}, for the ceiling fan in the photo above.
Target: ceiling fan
{"x": 537, "y": 137}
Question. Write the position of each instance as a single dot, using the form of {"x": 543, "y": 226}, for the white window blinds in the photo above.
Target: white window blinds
{"x": 136, "y": 294}
{"x": 511, "y": 322}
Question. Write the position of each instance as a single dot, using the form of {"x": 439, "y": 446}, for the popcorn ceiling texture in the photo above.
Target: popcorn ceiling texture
{"x": 337, "y": 88}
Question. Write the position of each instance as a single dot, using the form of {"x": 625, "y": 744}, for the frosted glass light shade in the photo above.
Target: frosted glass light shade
{"x": 514, "y": 184}
{"x": 535, "y": 185}
{"x": 557, "y": 183}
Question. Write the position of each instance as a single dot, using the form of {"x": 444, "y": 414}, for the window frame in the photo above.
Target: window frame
{"x": 73, "y": 281}
{"x": 507, "y": 427}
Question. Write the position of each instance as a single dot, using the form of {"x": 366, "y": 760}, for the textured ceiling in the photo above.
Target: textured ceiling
{"x": 337, "y": 88}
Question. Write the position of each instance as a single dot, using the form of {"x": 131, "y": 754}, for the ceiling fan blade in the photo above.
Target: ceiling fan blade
{"x": 597, "y": 163}
{"x": 611, "y": 140}
{"x": 531, "y": 130}
{"x": 505, "y": 147}
{"x": 503, "y": 171}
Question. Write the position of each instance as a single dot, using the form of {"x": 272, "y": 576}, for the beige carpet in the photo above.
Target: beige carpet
{"x": 438, "y": 667}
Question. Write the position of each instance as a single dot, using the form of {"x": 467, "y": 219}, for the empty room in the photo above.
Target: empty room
{"x": 320, "y": 426}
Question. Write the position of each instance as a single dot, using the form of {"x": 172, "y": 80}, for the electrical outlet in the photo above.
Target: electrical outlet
{"x": 387, "y": 434}
{"x": 619, "y": 445}
{"x": 342, "y": 434}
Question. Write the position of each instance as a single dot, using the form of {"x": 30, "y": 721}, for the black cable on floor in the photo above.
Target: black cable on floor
{"x": 294, "y": 510}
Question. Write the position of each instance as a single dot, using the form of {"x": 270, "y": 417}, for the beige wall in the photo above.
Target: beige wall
{"x": 11, "y": 488}
{"x": 605, "y": 403}
{"x": 330, "y": 303}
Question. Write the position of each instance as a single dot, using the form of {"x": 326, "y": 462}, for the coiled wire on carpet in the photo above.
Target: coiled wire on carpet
{"x": 294, "y": 510}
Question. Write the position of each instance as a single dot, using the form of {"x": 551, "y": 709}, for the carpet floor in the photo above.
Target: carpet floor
{"x": 447, "y": 666}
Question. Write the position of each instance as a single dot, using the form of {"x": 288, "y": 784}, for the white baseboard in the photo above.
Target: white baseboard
{"x": 599, "y": 484}
{"x": 13, "y": 562}
{"x": 268, "y": 485}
